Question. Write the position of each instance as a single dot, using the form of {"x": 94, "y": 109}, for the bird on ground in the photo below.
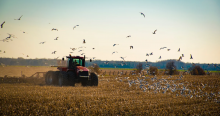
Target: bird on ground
{"x": 147, "y": 54}
{"x": 168, "y": 49}
{"x": 54, "y": 52}
{"x": 54, "y": 29}
{"x": 131, "y": 47}
{"x": 128, "y": 36}
{"x": 142, "y": 14}
{"x": 160, "y": 57}
{"x": 75, "y": 27}
{"x": 42, "y": 42}
{"x": 115, "y": 44}
{"x": 114, "y": 52}
{"x": 179, "y": 50}
{"x": 146, "y": 60}
{"x": 180, "y": 58}
{"x": 191, "y": 56}
{"x": 2, "y": 24}
{"x": 84, "y": 41}
{"x": 155, "y": 31}
{"x": 56, "y": 38}
{"x": 19, "y": 18}
{"x": 151, "y": 53}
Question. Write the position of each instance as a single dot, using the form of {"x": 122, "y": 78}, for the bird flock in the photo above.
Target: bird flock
{"x": 175, "y": 85}
{"x": 81, "y": 49}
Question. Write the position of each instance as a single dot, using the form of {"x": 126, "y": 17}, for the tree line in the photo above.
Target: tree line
{"x": 111, "y": 64}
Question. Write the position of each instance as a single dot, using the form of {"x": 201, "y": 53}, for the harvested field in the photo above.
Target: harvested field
{"x": 115, "y": 95}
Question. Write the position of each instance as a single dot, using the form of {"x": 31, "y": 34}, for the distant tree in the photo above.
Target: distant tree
{"x": 153, "y": 70}
{"x": 94, "y": 68}
{"x": 139, "y": 67}
{"x": 196, "y": 70}
{"x": 171, "y": 68}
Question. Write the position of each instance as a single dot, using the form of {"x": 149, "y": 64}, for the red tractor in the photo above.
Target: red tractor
{"x": 74, "y": 72}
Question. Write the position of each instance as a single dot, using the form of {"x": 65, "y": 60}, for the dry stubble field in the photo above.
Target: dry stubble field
{"x": 115, "y": 95}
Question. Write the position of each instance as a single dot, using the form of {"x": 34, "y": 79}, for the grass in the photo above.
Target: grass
{"x": 30, "y": 96}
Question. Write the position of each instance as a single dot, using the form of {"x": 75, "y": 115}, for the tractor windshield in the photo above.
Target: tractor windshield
{"x": 78, "y": 61}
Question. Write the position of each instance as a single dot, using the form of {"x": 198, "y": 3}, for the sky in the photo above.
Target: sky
{"x": 191, "y": 25}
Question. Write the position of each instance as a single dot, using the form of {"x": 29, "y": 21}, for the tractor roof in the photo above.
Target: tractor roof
{"x": 74, "y": 57}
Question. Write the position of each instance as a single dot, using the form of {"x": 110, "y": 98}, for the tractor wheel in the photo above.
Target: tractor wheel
{"x": 49, "y": 78}
{"x": 62, "y": 79}
{"x": 71, "y": 78}
{"x": 94, "y": 79}
{"x": 84, "y": 81}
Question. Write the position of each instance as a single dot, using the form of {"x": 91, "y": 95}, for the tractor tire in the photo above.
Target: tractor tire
{"x": 84, "y": 81}
{"x": 49, "y": 78}
{"x": 94, "y": 79}
{"x": 62, "y": 79}
{"x": 71, "y": 76}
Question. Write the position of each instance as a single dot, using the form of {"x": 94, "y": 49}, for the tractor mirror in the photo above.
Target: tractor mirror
{"x": 62, "y": 59}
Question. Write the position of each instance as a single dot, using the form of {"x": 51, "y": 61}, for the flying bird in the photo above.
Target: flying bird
{"x": 180, "y": 58}
{"x": 168, "y": 49}
{"x": 128, "y": 36}
{"x": 131, "y": 47}
{"x": 155, "y": 31}
{"x": 56, "y": 38}
{"x": 19, "y": 18}
{"x": 27, "y": 56}
{"x": 82, "y": 53}
{"x": 75, "y": 27}
{"x": 122, "y": 58}
{"x": 115, "y": 44}
{"x": 142, "y": 14}
{"x": 114, "y": 52}
{"x": 151, "y": 53}
{"x": 54, "y": 52}
{"x": 146, "y": 60}
{"x": 191, "y": 56}
{"x": 178, "y": 49}
{"x": 73, "y": 49}
{"x": 106, "y": 62}
{"x": 160, "y": 57}
{"x": 42, "y": 42}
{"x": 2, "y": 24}
{"x": 54, "y": 29}
{"x": 147, "y": 54}
{"x": 182, "y": 55}
{"x": 84, "y": 41}
{"x": 79, "y": 50}
{"x": 93, "y": 48}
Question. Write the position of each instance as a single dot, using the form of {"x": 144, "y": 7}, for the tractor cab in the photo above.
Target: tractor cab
{"x": 74, "y": 61}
